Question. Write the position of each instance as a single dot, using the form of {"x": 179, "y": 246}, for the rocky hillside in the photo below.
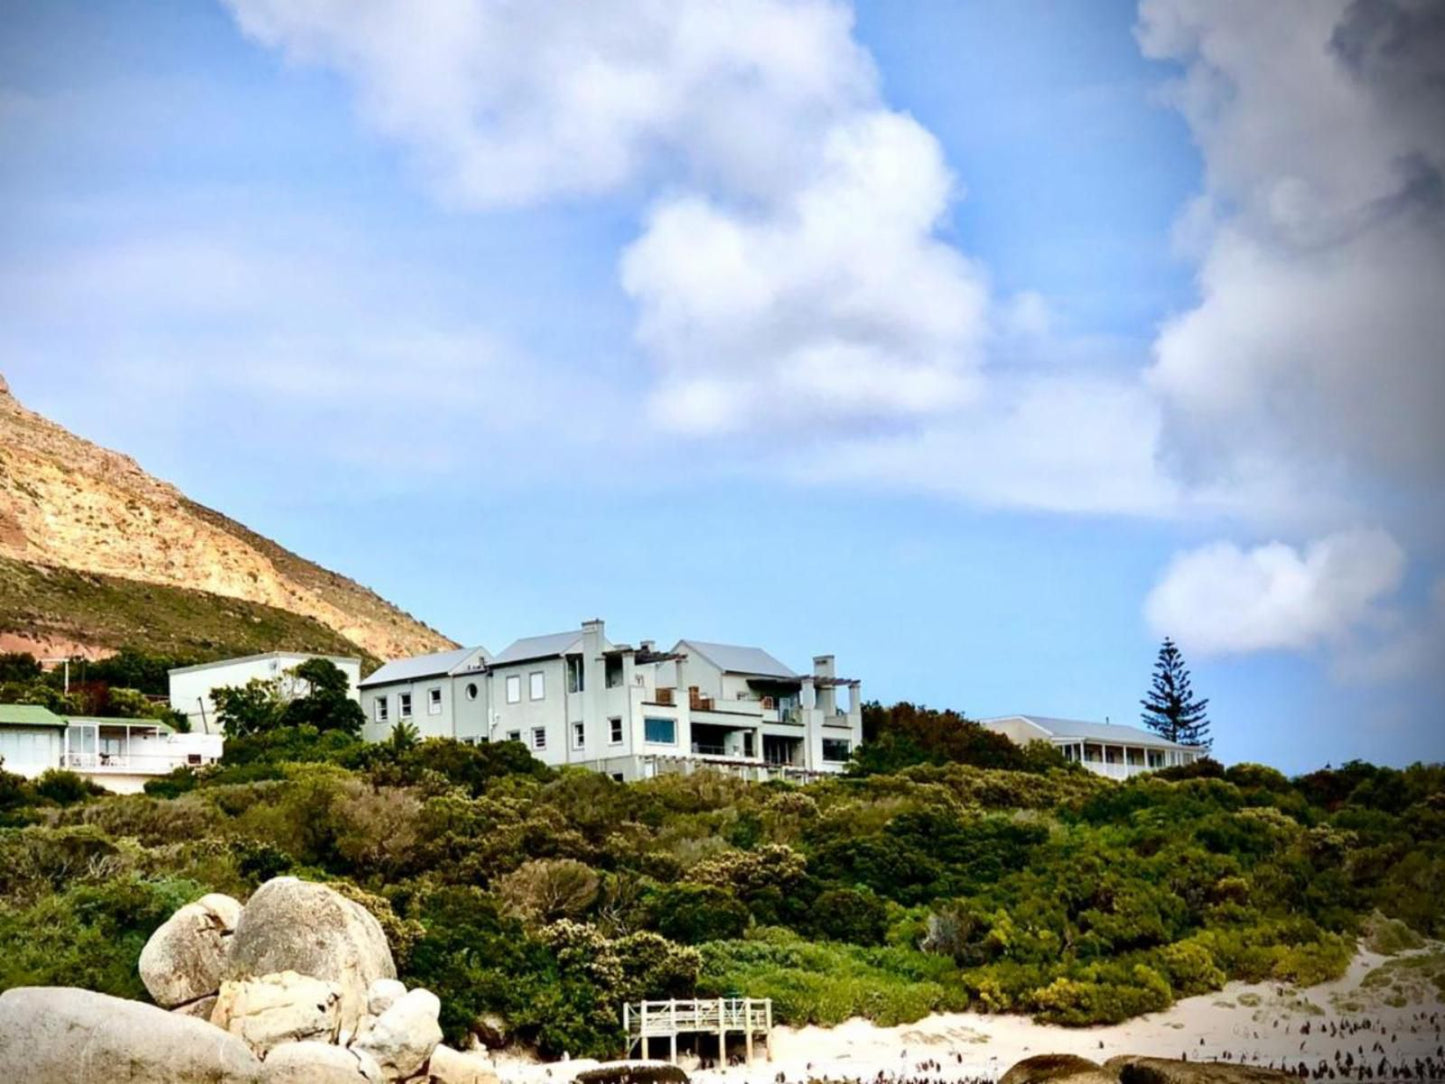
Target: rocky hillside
{"x": 96, "y": 554}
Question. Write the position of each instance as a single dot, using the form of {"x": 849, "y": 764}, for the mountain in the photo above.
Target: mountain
{"x": 96, "y": 554}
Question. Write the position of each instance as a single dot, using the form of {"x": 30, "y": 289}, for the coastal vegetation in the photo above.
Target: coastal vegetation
{"x": 944, "y": 871}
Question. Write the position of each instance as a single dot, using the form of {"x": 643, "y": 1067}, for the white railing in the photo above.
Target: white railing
{"x": 1117, "y": 771}
{"x": 136, "y": 763}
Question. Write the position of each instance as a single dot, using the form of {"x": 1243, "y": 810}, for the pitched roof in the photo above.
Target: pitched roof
{"x": 539, "y": 647}
{"x": 732, "y": 659}
{"x": 1099, "y": 732}
{"x": 28, "y": 715}
{"x": 421, "y": 666}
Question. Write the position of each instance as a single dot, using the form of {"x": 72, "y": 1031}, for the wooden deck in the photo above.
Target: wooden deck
{"x": 648, "y": 1020}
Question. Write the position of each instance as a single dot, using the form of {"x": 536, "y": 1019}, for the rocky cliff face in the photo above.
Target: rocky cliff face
{"x": 68, "y": 504}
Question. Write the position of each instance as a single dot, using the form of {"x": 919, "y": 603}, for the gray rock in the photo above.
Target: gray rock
{"x": 403, "y": 1037}
{"x": 184, "y": 958}
{"x": 319, "y": 1063}
{"x": 1057, "y": 1067}
{"x": 1131, "y": 1069}
{"x": 59, "y": 1035}
{"x": 382, "y": 995}
{"x": 448, "y": 1066}
{"x": 277, "y": 1009}
{"x": 291, "y": 925}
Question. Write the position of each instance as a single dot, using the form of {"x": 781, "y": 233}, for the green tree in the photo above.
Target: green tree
{"x": 1170, "y": 708}
{"x": 253, "y": 708}
{"x": 327, "y": 704}
{"x": 19, "y": 666}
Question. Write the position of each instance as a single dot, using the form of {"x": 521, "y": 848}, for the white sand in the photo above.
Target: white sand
{"x": 1219, "y": 1026}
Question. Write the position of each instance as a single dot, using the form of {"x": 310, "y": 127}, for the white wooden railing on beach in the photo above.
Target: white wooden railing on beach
{"x": 648, "y": 1020}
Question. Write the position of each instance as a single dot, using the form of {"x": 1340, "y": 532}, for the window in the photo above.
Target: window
{"x": 471, "y": 690}
{"x": 575, "y": 677}
{"x": 514, "y": 735}
{"x": 660, "y": 731}
{"x": 378, "y": 709}
{"x": 403, "y": 705}
{"x": 193, "y": 758}
{"x": 617, "y": 777}
{"x": 539, "y": 737}
{"x": 614, "y": 730}
{"x": 433, "y": 701}
{"x": 579, "y": 735}
{"x": 514, "y": 688}
{"x": 748, "y": 746}
{"x": 536, "y": 685}
{"x": 612, "y": 670}
{"x": 836, "y": 750}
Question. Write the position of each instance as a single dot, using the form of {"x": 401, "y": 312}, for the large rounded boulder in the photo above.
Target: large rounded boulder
{"x": 291, "y": 925}
{"x": 183, "y": 960}
{"x": 59, "y": 1035}
{"x": 1059, "y": 1068}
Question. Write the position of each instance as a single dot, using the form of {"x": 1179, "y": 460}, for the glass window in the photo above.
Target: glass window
{"x": 471, "y": 690}
{"x": 514, "y": 735}
{"x": 579, "y": 735}
{"x": 614, "y": 730}
{"x": 574, "y": 673}
{"x": 536, "y": 685}
{"x": 836, "y": 750}
{"x": 378, "y": 709}
{"x": 539, "y": 737}
{"x": 514, "y": 688}
{"x": 433, "y": 701}
{"x": 660, "y": 731}
{"x": 403, "y": 705}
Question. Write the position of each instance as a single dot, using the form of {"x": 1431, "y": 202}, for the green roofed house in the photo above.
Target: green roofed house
{"x": 32, "y": 738}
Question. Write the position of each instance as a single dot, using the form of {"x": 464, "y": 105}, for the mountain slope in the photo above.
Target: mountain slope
{"x": 96, "y": 553}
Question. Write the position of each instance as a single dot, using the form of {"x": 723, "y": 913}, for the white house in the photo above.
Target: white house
{"x": 119, "y": 754}
{"x": 191, "y": 686}
{"x": 1107, "y": 749}
{"x": 578, "y": 698}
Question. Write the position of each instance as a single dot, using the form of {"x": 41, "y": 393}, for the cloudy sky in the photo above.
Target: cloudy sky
{"x": 979, "y": 343}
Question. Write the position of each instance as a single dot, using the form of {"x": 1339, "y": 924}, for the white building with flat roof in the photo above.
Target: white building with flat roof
{"x": 1108, "y": 749}
{"x": 191, "y": 686}
{"x": 577, "y": 698}
{"x": 118, "y": 754}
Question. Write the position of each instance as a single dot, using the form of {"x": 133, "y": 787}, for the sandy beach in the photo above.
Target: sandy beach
{"x": 1257, "y": 1024}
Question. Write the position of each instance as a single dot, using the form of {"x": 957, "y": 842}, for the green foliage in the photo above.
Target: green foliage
{"x": 65, "y": 788}
{"x": 88, "y": 935}
{"x": 906, "y": 734}
{"x": 548, "y": 897}
{"x": 19, "y": 667}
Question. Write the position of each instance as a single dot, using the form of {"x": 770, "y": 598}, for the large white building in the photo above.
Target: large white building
{"x": 191, "y": 686}
{"x": 632, "y": 712}
{"x": 1108, "y": 749}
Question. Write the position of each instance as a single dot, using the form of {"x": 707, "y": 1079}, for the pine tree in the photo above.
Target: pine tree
{"x": 1170, "y": 708}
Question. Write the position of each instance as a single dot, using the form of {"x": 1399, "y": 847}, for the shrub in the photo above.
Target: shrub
{"x": 66, "y": 788}
{"x": 692, "y": 913}
{"x": 549, "y": 889}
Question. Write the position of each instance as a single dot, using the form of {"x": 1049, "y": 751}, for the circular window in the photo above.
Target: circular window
{"x": 472, "y": 691}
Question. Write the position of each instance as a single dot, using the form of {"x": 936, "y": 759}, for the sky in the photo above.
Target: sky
{"x": 981, "y": 344}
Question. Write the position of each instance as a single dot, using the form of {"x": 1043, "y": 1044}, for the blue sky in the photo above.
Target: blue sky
{"x": 977, "y": 343}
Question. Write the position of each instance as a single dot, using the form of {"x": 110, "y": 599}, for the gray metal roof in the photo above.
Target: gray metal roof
{"x": 1099, "y": 732}
{"x": 733, "y": 659}
{"x": 421, "y": 666}
{"x": 540, "y": 647}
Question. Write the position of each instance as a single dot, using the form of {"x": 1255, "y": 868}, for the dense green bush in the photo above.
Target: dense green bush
{"x": 549, "y": 897}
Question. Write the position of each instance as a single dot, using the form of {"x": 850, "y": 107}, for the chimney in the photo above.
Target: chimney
{"x": 827, "y": 695}
{"x": 646, "y": 646}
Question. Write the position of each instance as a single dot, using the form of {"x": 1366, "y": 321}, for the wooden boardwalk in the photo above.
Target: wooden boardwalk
{"x": 722, "y": 1016}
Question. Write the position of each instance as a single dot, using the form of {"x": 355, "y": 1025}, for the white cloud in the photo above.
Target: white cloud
{"x": 1221, "y": 599}
{"x": 840, "y": 303}
{"x": 1321, "y": 234}
{"x": 513, "y": 103}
